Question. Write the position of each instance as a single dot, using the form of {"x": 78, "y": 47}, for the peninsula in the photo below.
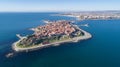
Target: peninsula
{"x": 94, "y": 15}
{"x": 51, "y": 34}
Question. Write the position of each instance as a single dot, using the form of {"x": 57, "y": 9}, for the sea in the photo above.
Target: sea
{"x": 102, "y": 50}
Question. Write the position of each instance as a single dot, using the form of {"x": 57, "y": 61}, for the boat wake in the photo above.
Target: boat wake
{"x": 85, "y": 25}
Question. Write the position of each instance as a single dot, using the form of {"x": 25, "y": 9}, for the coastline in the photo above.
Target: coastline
{"x": 32, "y": 48}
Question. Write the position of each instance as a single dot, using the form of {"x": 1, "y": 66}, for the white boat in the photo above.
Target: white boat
{"x": 47, "y": 21}
{"x": 18, "y": 35}
{"x": 86, "y": 25}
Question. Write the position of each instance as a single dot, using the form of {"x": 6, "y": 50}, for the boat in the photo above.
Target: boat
{"x": 47, "y": 21}
{"x": 18, "y": 35}
{"x": 86, "y": 25}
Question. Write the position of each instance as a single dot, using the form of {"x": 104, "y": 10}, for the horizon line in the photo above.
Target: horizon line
{"x": 62, "y": 11}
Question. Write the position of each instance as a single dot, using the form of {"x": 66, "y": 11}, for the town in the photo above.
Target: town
{"x": 55, "y": 28}
{"x": 94, "y": 15}
{"x": 51, "y": 34}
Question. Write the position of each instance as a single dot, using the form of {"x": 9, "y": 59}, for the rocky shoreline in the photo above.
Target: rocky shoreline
{"x": 76, "y": 39}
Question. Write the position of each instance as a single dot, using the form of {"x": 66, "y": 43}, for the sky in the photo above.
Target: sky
{"x": 58, "y": 5}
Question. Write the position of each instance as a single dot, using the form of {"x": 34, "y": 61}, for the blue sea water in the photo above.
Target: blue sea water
{"x": 102, "y": 50}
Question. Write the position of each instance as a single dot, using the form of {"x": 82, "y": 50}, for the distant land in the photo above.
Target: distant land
{"x": 93, "y": 15}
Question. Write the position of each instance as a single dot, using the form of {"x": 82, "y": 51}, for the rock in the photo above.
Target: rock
{"x": 9, "y": 55}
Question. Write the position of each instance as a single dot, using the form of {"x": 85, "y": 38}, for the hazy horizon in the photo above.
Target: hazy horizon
{"x": 61, "y": 11}
{"x": 58, "y": 5}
